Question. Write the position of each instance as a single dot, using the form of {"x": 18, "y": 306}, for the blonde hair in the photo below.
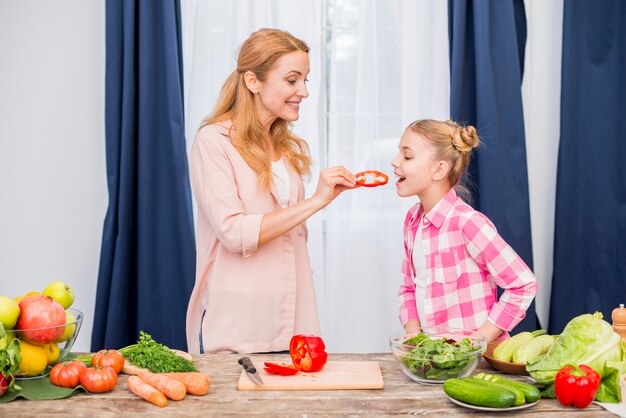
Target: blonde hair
{"x": 258, "y": 54}
{"x": 452, "y": 142}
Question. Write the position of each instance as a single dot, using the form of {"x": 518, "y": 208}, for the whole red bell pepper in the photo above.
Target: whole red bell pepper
{"x": 576, "y": 385}
{"x": 308, "y": 353}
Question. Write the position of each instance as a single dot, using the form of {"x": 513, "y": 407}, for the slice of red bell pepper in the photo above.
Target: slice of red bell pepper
{"x": 308, "y": 353}
{"x": 280, "y": 368}
{"x": 576, "y": 385}
{"x": 371, "y": 178}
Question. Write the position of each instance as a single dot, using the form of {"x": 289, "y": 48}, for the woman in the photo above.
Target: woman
{"x": 254, "y": 288}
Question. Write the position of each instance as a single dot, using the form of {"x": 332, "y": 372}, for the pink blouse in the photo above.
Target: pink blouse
{"x": 246, "y": 298}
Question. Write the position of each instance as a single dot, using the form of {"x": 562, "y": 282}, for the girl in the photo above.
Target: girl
{"x": 254, "y": 288}
{"x": 454, "y": 258}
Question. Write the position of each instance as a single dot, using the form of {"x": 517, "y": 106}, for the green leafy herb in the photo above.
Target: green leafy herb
{"x": 441, "y": 358}
{"x": 10, "y": 357}
{"x": 157, "y": 358}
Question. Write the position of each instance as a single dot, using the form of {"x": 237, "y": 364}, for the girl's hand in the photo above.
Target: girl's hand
{"x": 332, "y": 182}
{"x": 412, "y": 328}
{"x": 489, "y": 331}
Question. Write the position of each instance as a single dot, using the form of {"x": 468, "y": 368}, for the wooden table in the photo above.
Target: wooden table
{"x": 401, "y": 396}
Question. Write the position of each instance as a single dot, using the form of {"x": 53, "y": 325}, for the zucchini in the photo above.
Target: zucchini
{"x": 479, "y": 392}
{"x": 531, "y": 393}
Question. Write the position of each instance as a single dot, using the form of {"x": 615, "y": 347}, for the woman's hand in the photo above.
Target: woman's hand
{"x": 332, "y": 182}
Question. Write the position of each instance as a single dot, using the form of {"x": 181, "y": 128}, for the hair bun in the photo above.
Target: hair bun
{"x": 465, "y": 138}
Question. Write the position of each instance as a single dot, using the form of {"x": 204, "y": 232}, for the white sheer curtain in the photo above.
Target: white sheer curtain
{"x": 388, "y": 66}
{"x": 378, "y": 66}
{"x": 541, "y": 95}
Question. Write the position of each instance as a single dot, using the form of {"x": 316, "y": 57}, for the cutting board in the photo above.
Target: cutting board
{"x": 334, "y": 375}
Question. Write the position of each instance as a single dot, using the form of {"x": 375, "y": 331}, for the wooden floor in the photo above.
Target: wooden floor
{"x": 400, "y": 396}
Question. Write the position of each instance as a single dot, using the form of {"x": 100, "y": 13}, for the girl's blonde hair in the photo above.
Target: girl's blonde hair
{"x": 258, "y": 54}
{"x": 452, "y": 142}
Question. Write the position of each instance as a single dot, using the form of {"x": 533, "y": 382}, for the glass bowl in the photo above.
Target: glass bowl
{"x": 437, "y": 354}
{"x": 53, "y": 336}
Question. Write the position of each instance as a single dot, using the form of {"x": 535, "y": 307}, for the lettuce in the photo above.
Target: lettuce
{"x": 586, "y": 339}
{"x": 609, "y": 390}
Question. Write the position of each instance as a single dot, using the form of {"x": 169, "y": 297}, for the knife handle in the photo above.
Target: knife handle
{"x": 247, "y": 365}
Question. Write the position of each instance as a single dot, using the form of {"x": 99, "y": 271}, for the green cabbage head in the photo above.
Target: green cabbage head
{"x": 586, "y": 339}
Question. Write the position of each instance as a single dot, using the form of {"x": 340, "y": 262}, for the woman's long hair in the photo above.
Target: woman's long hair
{"x": 258, "y": 54}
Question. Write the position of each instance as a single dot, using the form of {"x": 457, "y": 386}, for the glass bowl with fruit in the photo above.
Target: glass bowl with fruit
{"x": 46, "y": 332}
{"x": 437, "y": 354}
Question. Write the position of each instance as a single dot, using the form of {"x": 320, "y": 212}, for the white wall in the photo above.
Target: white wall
{"x": 52, "y": 151}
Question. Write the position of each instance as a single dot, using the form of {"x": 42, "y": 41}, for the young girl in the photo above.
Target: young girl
{"x": 454, "y": 257}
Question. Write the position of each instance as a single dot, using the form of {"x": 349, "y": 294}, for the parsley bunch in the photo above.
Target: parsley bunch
{"x": 157, "y": 358}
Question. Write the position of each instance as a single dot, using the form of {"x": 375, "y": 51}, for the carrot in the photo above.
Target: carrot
{"x": 196, "y": 383}
{"x": 171, "y": 388}
{"x": 144, "y": 390}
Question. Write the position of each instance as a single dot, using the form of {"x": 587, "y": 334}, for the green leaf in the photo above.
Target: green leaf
{"x": 39, "y": 390}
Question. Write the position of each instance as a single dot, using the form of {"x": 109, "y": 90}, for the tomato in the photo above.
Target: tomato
{"x": 280, "y": 368}
{"x": 308, "y": 353}
{"x": 111, "y": 358}
{"x": 371, "y": 178}
{"x": 67, "y": 373}
{"x": 98, "y": 379}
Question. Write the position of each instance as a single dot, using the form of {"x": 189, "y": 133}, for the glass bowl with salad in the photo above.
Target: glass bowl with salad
{"x": 437, "y": 354}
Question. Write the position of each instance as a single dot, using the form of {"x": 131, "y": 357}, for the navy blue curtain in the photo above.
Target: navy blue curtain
{"x": 487, "y": 40}
{"x": 590, "y": 220}
{"x": 147, "y": 261}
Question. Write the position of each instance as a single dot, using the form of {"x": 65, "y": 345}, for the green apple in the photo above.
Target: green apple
{"x": 69, "y": 329}
{"x": 61, "y": 292}
{"x": 9, "y": 312}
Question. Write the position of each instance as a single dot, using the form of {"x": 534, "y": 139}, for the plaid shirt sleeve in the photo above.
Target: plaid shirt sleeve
{"x": 491, "y": 252}
{"x": 406, "y": 294}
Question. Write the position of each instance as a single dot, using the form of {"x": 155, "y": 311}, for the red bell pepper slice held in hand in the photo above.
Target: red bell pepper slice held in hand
{"x": 308, "y": 353}
{"x": 576, "y": 385}
{"x": 280, "y": 369}
{"x": 371, "y": 178}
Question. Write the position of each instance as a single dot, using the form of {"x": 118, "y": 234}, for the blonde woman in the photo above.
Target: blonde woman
{"x": 254, "y": 288}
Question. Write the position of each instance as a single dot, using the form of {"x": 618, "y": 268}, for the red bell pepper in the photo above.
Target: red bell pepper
{"x": 280, "y": 368}
{"x": 576, "y": 385}
{"x": 371, "y": 178}
{"x": 308, "y": 353}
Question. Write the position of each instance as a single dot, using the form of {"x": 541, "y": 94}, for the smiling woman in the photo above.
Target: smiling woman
{"x": 246, "y": 174}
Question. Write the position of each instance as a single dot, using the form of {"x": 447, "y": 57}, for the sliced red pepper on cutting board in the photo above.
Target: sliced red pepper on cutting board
{"x": 280, "y": 369}
{"x": 576, "y": 385}
{"x": 371, "y": 178}
{"x": 308, "y": 353}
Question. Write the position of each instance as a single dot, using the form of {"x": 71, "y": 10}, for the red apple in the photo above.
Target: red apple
{"x": 41, "y": 320}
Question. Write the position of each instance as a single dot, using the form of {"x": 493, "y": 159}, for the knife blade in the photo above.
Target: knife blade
{"x": 251, "y": 371}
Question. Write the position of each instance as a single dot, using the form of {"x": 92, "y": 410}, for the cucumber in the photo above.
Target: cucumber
{"x": 531, "y": 393}
{"x": 479, "y": 392}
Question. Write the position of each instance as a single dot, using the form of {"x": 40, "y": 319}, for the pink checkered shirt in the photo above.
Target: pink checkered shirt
{"x": 466, "y": 260}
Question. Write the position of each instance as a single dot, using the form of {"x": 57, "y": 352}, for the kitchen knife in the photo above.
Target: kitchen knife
{"x": 250, "y": 370}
